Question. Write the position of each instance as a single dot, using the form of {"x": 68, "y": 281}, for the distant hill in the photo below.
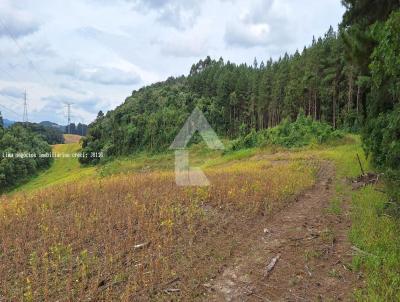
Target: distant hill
{"x": 53, "y": 125}
{"x": 78, "y": 129}
{"x": 7, "y": 123}
{"x": 51, "y": 135}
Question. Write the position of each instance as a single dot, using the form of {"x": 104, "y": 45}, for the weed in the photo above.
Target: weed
{"x": 312, "y": 254}
{"x": 333, "y": 273}
{"x": 335, "y": 206}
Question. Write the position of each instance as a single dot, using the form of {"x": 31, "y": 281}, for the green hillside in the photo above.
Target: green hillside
{"x": 63, "y": 170}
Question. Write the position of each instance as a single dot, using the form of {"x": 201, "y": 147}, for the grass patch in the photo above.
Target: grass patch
{"x": 377, "y": 234}
{"x": 373, "y": 231}
{"x": 335, "y": 206}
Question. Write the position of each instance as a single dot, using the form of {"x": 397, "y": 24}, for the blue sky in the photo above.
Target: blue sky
{"x": 93, "y": 53}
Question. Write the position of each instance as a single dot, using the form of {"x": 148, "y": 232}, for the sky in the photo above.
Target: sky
{"x": 94, "y": 53}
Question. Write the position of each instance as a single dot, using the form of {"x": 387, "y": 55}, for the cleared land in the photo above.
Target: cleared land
{"x": 72, "y": 138}
{"x": 137, "y": 236}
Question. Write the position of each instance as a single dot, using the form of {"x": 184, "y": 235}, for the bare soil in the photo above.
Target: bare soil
{"x": 301, "y": 253}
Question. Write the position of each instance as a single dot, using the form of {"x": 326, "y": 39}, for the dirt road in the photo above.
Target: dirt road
{"x": 302, "y": 253}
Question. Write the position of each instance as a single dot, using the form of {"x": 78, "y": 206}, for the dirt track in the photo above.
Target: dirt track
{"x": 304, "y": 247}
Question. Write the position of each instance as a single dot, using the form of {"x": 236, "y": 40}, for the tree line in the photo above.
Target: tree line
{"x": 372, "y": 29}
{"x": 21, "y": 139}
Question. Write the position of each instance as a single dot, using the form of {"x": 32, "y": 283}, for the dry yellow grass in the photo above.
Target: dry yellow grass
{"x": 132, "y": 237}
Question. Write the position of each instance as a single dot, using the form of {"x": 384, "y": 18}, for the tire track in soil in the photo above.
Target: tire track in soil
{"x": 314, "y": 254}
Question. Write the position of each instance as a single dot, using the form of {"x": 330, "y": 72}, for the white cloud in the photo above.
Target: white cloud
{"x": 15, "y": 22}
{"x": 11, "y": 91}
{"x": 99, "y": 74}
{"x": 184, "y": 45}
{"x": 248, "y": 35}
{"x": 180, "y": 14}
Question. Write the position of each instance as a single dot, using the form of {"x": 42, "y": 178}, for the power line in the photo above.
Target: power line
{"x": 9, "y": 110}
{"x": 9, "y": 74}
{"x": 21, "y": 50}
{"x": 25, "y": 113}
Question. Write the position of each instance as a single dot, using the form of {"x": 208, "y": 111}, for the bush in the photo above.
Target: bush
{"x": 302, "y": 132}
{"x": 250, "y": 140}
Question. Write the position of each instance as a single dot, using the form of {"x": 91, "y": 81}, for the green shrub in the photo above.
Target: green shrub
{"x": 251, "y": 140}
{"x": 302, "y": 132}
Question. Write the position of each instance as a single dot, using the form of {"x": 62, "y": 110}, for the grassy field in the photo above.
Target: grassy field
{"x": 124, "y": 236}
{"x": 126, "y": 230}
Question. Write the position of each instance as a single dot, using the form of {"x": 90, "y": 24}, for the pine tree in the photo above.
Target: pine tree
{"x": 255, "y": 63}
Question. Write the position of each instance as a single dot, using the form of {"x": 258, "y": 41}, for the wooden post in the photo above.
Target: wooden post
{"x": 361, "y": 167}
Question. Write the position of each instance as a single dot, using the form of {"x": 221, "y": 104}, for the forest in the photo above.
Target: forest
{"x": 348, "y": 78}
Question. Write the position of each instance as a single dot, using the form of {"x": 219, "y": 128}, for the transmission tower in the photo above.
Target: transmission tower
{"x": 25, "y": 115}
{"x": 68, "y": 116}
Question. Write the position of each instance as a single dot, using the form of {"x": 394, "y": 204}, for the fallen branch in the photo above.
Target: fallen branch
{"x": 171, "y": 290}
{"x": 141, "y": 245}
{"x": 172, "y": 281}
{"x": 271, "y": 265}
{"x": 361, "y": 167}
{"x": 312, "y": 236}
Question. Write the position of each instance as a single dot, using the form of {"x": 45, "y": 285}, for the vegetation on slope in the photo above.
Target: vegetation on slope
{"x": 348, "y": 79}
{"x": 125, "y": 237}
{"x": 50, "y": 134}
{"x": 63, "y": 170}
{"x": 19, "y": 157}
